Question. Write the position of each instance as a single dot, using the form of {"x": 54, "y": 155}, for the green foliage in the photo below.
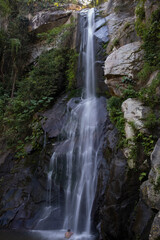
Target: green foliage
{"x": 147, "y": 142}
{"x": 151, "y": 121}
{"x": 116, "y": 42}
{"x": 142, "y": 176}
{"x": 150, "y": 34}
{"x": 127, "y": 25}
{"x": 71, "y": 71}
{"x": 145, "y": 72}
{"x": 104, "y": 45}
{"x": 15, "y": 45}
{"x": 4, "y": 7}
{"x": 140, "y": 27}
{"x": 128, "y": 80}
{"x": 46, "y": 78}
{"x": 62, "y": 31}
{"x": 152, "y": 40}
{"x": 147, "y": 95}
{"x": 140, "y": 12}
{"x": 116, "y": 116}
{"x": 44, "y": 83}
{"x": 129, "y": 92}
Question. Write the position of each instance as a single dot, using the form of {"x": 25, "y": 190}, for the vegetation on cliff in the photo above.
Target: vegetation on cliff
{"x": 148, "y": 94}
{"x": 25, "y": 91}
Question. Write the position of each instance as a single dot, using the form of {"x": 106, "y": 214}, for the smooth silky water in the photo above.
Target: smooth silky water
{"x": 73, "y": 165}
{"x": 81, "y": 150}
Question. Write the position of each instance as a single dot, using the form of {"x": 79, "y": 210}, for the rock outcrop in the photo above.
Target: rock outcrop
{"x": 53, "y": 119}
{"x": 134, "y": 114}
{"x": 120, "y": 194}
{"x": 150, "y": 6}
{"x": 151, "y": 191}
{"x": 48, "y": 19}
{"x": 126, "y": 61}
{"x": 151, "y": 188}
{"x": 44, "y": 21}
{"x": 155, "y": 229}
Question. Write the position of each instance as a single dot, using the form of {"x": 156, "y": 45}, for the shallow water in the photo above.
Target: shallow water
{"x": 41, "y": 235}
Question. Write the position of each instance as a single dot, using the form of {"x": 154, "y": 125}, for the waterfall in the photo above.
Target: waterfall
{"x": 90, "y": 60}
{"x": 81, "y": 195}
{"x": 72, "y": 174}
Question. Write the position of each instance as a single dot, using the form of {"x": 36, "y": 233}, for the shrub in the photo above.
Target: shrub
{"x": 145, "y": 93}
{"x": 129, "y": 92}
{"x": 116, "y": 42}
{"x": 116, "y": 116}
{"x": 149, "y": 32}
{"x": 71, "y": 71}
{"x": 145, "y": 72}
{"x": 44, "y": 83}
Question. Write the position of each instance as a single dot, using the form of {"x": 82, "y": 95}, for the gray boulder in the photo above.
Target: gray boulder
{"x": 126, "y": 61}
{"x": 46, "y": 20}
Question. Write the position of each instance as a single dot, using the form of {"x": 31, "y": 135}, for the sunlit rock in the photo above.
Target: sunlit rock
{"x": 46, "y": 20}
{"x": 126, "y": 61}
{"x": 134, "y": 112}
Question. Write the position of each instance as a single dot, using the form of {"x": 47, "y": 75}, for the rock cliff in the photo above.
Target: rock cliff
{"x": 122, "y": 66}
{"x": 127, "y": 202}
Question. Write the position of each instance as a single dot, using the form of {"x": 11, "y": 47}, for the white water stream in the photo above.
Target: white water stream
{"x": 81, "y": 147}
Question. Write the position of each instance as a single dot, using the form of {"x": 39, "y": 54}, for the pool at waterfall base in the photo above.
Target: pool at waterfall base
{"x": 41, "y": 235}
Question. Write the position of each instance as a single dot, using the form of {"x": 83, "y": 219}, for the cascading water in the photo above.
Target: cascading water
{"x": 81, "y": 195}
{"x": 73, "y": 167}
